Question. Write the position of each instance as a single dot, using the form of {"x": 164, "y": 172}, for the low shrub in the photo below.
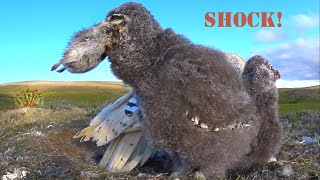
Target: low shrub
{"x": 27, "y": 98}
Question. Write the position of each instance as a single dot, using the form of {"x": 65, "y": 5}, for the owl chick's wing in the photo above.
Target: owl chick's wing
{"x": 119, "y": 125}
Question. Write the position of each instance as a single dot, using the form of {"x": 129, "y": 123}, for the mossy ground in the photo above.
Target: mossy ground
{"x": 39, "y": 140}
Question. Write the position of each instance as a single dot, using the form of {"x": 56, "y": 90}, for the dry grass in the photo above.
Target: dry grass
{"x": 39, "y": 140}
{"x": 54, "y": 84}
{"x": 80, "y": 94}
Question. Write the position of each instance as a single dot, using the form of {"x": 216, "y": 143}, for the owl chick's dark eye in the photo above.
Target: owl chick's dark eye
{"x": 273, "y": 70}
{"x": 267, "y": 63}
{"x": 117, "y": 19}
{"x": 107, "y": 31}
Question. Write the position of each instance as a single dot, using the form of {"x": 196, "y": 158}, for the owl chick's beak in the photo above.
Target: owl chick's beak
{"x": 56, "y": 65}
{"x": 274, "y": 70}
{"x": 87, "y": 49}
{"x": 276, "y": 74}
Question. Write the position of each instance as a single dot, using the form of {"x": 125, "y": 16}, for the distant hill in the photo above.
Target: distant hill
{"x": 58, "y": 84}
{"x": 84, "y": 93}
{"x": 295, "y": 95}
{"x": 313, "y": 87}
{"x": 98, "y": 92}
{"x": 295, "y": 99}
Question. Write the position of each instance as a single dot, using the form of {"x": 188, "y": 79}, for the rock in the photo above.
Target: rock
{"x": 48, "y": 170}
{"x": 50, "y": 126}
{"x": 34, "y": 133}
{"x": 272, "y": 159}
{"x": 88, "y": 174}
{"x": 19, "y": 158}
{"x": 17, "y": 174}
{"x": 9, "y": 152}
{"x": 307, "y": 139}
{"x": 199, "y": 176}
{"x": 1, "y": 158}
{"x": 7, "y": 155}
{"x": 140, "y": 175}
{"x": 287, "y": 170}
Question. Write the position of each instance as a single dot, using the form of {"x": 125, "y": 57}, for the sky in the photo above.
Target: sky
{"x": 34, "y": 34}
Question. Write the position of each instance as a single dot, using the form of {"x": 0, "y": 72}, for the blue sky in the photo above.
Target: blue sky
{"x": 33, "y": 34}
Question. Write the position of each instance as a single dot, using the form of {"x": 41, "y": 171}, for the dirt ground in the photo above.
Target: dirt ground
{"x": 38, "y": 144}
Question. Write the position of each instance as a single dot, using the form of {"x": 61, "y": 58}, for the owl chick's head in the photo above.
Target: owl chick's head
{"x": 88, "y": 48}
{"x": 137, "y": 28}
{"x": 129, "y": 26}
{"x": 259, "y": 75}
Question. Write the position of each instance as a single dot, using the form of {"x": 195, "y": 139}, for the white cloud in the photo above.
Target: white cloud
{"x": 298, "y": 23}
{"x": 305, "y": 21}
{"x": 296, "y": 60}
{"x": 264, "y": 36}
{"x": 297, "y": 83}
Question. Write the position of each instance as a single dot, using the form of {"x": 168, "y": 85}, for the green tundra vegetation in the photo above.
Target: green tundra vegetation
{"x": 298, "y": 99}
